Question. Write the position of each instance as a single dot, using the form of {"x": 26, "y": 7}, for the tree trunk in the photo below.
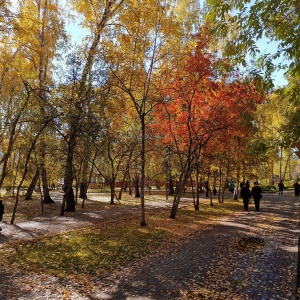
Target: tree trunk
{"x": 130, "y": 184}
{"x": 286, "y": 166}
{"x": 77, "y": 179}
{"x": 112, "y": 192}
{"x": 69, "y": 199}
{"x": 89, "y": 180}
{"x": 136, "y": 187}
{"x": 123, "y": 185}
{"x": 220, "y": 183}
{"x": 225, "y": 178}
{"x": 198, "y": 186}
{"x": 178, "y": 192}
{"x": 126, "y": 177}
{"x": 167, "y": 177}
{"x": 68, "y": 203}
{"x": 210, "y": 196}
{"x": 143, "y": 161}
{"x": 193, "y": 193}
{"x": 280, "y": 164}
{"x": 32, "y": 185}
{"x": 15, "y": 175}
{"x": 47, "y": 198}
{"x": 171, "y": 185}
{"x": 85, "y": 171}
{"x": 273, "y": 176}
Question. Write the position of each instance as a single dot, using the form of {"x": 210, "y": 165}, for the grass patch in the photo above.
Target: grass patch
{"x": 92, "y": 251}
{"x": 100, "y": 249}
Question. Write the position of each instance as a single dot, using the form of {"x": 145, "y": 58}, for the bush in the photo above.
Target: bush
{"x": 270, "y": 188}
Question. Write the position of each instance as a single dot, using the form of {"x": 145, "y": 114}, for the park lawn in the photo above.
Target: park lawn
{"x": 97, "y": 250}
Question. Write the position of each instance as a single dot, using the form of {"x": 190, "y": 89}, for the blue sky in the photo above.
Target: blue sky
{"x": 267, "y": 46}
{"x": 264, "y": 44}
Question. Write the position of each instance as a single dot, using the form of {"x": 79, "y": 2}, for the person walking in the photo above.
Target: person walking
{"x": 245, "y": 194}
{"x": 256, "y": 193}
{"x": 248, "y": 184}
{"x": 207, "y": 188}
{"x": 241, "y": 186}
{"x": 214, "y": 191}
{"x": 280, "y": 187}
{"x": 296, "y": 188}
{"x": 231, "y": 186}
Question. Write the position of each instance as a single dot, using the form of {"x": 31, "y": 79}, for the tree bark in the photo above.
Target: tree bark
{"x": 143, "y": 162}
{"x": 198, "y": 186}
{"x": 47, "y": 198}
{"x": 32, "y": 185}
{"x": 178, "y": 192}
{"x": 68, "y": 203}
{"x": 136, "y": 186}
{"x": 171, "y": 185}
{"x": 112, "y": 192}
{"x": 84, "y": 178}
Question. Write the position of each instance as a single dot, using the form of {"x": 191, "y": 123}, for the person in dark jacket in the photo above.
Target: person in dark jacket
{"x": 1, "y": 211}
{"x": 245, "y": 194}
{"x": 296, "y": 188}
{"x": 280, "y": 187}
{"x": 256, "y": 193}
{"x": 207, "y": 188}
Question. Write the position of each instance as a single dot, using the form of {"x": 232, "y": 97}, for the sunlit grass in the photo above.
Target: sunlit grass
{"x": 101, "y": 249}
{"x": 92, "y": 251}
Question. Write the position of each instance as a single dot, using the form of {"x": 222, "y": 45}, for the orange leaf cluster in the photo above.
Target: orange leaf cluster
{"x": 199, "y": 103}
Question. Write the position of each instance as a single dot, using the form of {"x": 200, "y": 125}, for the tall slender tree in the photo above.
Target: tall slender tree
{"x": 96, "y": 15}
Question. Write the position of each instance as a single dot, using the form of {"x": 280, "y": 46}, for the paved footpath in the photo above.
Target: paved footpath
{"x": 251, "y": 255}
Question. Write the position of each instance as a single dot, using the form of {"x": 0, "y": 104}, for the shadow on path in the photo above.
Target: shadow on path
{"x": 251, "y": 255}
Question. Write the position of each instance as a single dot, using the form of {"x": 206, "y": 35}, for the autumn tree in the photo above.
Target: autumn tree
{"x": 12, "y": 91}
{"x": 147, "y": 40}
{"x": 199, "y": 104}
{"x": 39, "y": 28}
{"x": 246, "y": 22}
{"x": 272, "y": 120}
{"x": 116, "y": 147}
{"x": 241, "y": 24}
{"x": 96, "y": 15}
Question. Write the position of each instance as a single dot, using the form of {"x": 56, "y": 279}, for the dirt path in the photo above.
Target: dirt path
{"x": 252, "y": 255}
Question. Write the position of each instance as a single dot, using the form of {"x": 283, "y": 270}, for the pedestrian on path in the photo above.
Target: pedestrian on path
{"x": 256, "y": 193}
{"x": 1, "y": 211}
{"x": 280, "y": 187}
{"x": 214, "y": 191}
{"x": 245, "y": 194}
{"x": 231, "y": 186}
{"x": 241, "y": 185}
{"x": 296, "y": 188}
{"x": 207, "y": 188}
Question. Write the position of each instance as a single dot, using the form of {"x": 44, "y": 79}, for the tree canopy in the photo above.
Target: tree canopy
{"x": 243, "y": 23}
{"x": 155, "y": 91}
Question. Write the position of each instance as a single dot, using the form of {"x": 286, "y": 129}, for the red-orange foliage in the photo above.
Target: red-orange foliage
{"x": 200, "y": 103}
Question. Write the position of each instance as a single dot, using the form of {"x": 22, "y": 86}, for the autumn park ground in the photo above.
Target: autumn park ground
{"x": 101, "y": 252}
